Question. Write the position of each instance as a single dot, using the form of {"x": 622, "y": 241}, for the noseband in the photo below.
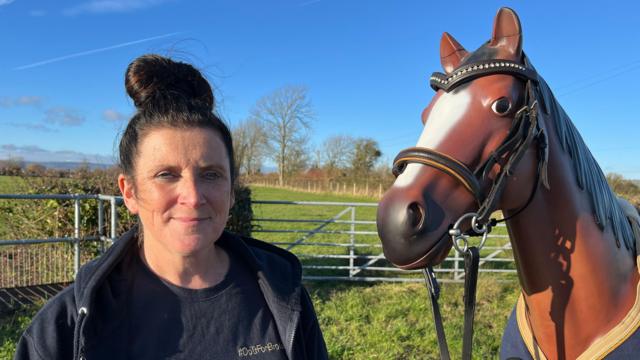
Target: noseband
{"x": 525, "y": 128}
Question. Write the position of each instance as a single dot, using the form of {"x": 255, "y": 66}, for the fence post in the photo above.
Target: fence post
{"x": 456, "y": 264}
{"x": 76, "y": 228}
{"x": 352, "y": 240}
{"x": 101, "y": 224}
{"x": 114, "y": 219}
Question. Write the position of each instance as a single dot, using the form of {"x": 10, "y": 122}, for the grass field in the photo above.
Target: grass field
{"x": 10, "y": 184}
{"x": 360, "y": 320}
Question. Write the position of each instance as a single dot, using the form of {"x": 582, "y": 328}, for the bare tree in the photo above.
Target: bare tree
{"x": 366, "y": 153}
{"x": 336, "y": 153}
{"x": 249, "y": 142}
{"x": 297, "y": 158}
{"x": 286, "y": 114}
{"x": 317, "y": 158}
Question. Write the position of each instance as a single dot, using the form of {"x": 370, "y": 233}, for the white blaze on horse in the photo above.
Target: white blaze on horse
{"x": 495, "y": 138}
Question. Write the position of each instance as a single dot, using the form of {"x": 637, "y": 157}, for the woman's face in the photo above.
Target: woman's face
{"x": 181, "y": 189}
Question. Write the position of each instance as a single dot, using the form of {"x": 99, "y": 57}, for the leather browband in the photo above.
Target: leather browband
{"x": 468, "y": 72}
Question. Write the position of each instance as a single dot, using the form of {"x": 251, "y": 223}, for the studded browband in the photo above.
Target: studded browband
{"x": 468, "y": 72}
{"x": 524, "y": 130}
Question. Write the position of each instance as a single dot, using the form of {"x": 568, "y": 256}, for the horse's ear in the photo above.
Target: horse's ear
{"x": 451, "y": 52}
{"x": 507, "y": 33}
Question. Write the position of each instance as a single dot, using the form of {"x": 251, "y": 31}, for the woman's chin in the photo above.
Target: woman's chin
{"x": 186, "y": 241}
{"x": 192, "y": 244}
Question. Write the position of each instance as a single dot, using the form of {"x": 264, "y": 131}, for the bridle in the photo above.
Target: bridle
{"x": 525, "y": 128}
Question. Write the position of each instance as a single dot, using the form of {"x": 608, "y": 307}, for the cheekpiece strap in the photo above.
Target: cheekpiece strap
{"x": 468, "y": 72}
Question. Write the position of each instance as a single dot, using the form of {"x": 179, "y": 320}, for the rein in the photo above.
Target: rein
{"x": 524, "y": 130}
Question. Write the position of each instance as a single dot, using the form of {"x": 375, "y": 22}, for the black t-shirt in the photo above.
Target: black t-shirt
{"x": 230, "y": 320}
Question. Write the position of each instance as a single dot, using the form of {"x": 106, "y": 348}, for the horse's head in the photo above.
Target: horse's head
{"x": 472, "y": 128}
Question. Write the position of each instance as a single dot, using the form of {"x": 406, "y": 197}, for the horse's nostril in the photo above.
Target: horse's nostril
{"x": 415, "y": 216}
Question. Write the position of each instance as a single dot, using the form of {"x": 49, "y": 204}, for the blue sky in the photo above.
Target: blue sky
{"x": 365, "y": 63}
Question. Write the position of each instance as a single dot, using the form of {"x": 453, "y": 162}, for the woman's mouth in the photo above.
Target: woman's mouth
{"x": 189, "y": 220}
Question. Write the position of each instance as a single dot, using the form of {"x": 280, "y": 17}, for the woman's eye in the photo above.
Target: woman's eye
{"x": 211, "y": 175}
{"x": 165, "y": 175}
{"x": 501, "y": 106}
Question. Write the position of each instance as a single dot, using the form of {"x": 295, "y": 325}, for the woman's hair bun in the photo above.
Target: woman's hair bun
{"x": 157, "y": 82}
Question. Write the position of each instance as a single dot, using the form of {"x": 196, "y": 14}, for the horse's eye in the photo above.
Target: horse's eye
{"x": 501, "y": 106}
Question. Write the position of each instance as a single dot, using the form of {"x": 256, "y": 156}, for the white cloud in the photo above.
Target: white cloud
{"x": 29, "y": 100}
{"x": 5, "y": 2}
{"x": 38, "y": 154}
{"x": 63, "y": 116}
{"x": 111, "y": 6}
{"x": 32, "y": 126}
{"x": 113, "y": 115}
{"x": 7, "y": 102}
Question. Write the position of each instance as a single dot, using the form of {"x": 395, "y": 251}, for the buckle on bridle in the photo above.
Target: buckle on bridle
{"x": 461, "y": 240}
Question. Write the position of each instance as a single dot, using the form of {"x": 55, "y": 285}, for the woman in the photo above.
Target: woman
{"x": 177, "y": 286}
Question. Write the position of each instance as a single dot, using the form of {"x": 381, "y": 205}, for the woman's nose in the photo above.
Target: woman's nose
{"x": 191, "y": 192}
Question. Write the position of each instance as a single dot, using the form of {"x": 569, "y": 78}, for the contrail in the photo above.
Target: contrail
{"x": 89, "y": 52}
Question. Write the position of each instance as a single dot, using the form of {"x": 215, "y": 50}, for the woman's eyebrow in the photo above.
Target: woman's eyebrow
{"x": 212, "y": 167}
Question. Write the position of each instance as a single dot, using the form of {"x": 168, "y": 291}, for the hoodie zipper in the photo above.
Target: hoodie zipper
{"x": 293, "y": 335}
{"x": 78, "y": 350}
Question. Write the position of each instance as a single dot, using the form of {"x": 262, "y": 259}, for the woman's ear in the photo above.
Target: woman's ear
{"x": 127, "y": 190}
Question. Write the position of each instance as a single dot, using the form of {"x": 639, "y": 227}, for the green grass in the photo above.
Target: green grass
{"x": 12, "y": 325}
{"x": 394, "y": 321}
{"x": 11, "y": 184}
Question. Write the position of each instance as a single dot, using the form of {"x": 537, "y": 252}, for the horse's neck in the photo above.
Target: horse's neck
{"x": 576, "y": 282}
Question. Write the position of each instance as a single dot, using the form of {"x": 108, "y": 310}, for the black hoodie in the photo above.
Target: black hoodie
{"x": 68, "y": 325}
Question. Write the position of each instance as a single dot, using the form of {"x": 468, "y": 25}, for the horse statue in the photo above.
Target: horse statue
{"x": 496, "y": 138}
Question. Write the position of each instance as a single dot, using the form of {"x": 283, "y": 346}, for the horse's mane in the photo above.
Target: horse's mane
{"x": 589, "y": 176}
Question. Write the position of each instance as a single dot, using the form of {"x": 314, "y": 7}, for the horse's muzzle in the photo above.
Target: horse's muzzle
{"x": 410, "y": 229}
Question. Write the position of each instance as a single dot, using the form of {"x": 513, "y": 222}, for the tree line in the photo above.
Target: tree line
{"x": 16, "y": 166}
{"x": 279, "y": 128}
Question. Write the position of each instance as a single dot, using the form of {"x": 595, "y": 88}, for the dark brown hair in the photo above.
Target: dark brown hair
{"x": 168, "y": 94}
